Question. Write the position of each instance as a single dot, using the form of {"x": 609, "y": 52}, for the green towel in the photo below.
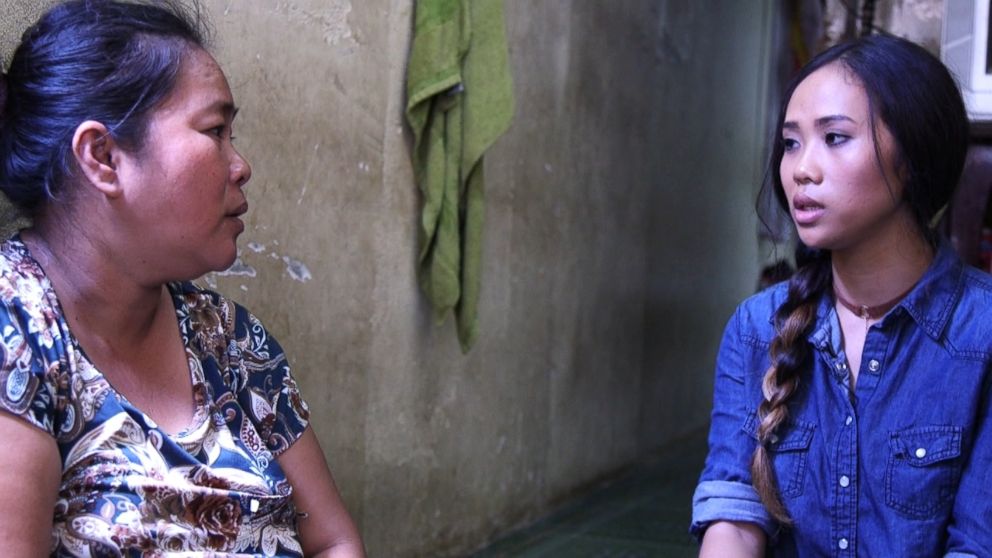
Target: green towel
{"x": 459, "y": 101}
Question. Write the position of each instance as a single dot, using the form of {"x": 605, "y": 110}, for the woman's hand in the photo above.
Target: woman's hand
{"x": 731, "y": 539}
{"x": 30, "y": 474}
{"x": 327, "y": 530}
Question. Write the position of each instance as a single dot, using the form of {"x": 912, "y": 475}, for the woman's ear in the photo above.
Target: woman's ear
{"x": 95, "y": 152}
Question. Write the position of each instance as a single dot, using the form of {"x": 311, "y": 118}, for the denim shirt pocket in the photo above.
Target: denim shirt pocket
{"x": 923, "y": 470}
{"x": 789, "y": 452}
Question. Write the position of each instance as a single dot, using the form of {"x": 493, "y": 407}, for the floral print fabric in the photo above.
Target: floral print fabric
{"x": 128, "y": 488}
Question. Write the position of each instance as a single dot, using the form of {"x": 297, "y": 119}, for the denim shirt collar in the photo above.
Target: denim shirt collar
{"x": 929, "y": 303}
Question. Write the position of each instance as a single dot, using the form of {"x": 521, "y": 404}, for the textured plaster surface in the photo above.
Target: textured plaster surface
{"x": 619, "y": 236}
{"x": 709, "y": 163}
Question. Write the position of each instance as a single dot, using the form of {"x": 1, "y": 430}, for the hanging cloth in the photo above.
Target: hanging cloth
{"x": 459, "y": 101}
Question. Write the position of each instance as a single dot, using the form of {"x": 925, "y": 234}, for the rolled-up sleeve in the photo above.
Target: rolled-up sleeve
{"x": 724, "y": 491}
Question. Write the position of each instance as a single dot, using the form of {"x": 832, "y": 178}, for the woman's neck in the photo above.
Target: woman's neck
{"x": 876, "y": 274}
{"x": 95, "y": 293}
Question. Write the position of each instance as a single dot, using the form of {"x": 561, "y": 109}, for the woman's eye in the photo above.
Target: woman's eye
{"x": 834, "y": 138}
{"x": 221, "y": 132}
{"x": 217, "y": 131}
{"x": 789, "y": 144}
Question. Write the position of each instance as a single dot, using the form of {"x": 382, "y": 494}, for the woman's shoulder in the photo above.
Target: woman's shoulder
{"x": 31, "y": 347}
{"x": 976, "y": 286}
{"x": 21, "y": 278}
{"x": 756, "y": 312}
{"x": 970, "y": 322}
{"x": 28, "y": 307}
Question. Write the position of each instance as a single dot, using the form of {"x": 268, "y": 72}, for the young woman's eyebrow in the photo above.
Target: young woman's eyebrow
{"x": 825, "y": 121}
{"x": 821, "y": 122}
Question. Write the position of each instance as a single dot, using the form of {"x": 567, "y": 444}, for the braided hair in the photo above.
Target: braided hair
{"x": 926, "y": 117}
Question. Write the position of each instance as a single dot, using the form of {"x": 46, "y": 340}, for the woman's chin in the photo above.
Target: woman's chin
{"x": 814, "y": 240}
{"x": 228, "y": 262}
{"x": 220, "y": 262}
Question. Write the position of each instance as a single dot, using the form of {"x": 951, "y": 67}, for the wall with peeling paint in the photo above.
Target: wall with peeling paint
{"x": 619, "y": 237}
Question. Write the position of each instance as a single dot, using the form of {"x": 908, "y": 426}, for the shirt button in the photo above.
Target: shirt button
{"x": 921, "y": 452}
{"x": 845, "y": 481}
{"x": 848, "y": 420}
{"x": 842, "y": 544}
{"x": 873, "y": 365}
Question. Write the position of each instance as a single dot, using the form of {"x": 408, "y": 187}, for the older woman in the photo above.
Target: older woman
{"x": 140, "y": 414}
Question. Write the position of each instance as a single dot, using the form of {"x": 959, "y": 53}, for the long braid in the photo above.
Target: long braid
{"x": 790, "y": 354}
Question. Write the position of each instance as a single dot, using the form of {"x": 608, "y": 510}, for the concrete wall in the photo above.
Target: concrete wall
{"x": 710, "y": 122}
{"x": 619, "y": 237}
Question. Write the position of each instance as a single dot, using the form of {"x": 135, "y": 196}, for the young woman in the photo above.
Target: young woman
{"x": 140, "y": 414}
{"x": 851, "y": 408}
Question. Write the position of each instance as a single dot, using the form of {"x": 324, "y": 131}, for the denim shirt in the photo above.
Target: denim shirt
{"x": 901, "y": 465}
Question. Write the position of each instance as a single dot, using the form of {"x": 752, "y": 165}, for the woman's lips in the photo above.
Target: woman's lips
{"x": 236, "y": 216}
{"x": 241, "y": 210}
{"x": 805, "y": 210}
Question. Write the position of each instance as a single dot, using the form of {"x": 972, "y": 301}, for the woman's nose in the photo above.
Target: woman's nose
{"x": 807, "y": 170}
{"x": 240, "y": 170}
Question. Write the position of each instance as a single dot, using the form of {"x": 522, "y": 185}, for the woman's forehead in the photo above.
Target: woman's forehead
{"x": 201, "y": 83}
{"x": 829, "y": 91}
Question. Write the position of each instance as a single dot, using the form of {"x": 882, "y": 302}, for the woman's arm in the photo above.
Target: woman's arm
{"x": 30, "y": 473}
{"x": 724, "y": 492}
{"x": 327, "y": 530}
{"x": 730, "y": 539}
{"x": 969, "y": 533}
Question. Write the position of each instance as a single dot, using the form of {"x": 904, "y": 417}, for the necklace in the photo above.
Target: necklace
{"x": 870, "y": 312}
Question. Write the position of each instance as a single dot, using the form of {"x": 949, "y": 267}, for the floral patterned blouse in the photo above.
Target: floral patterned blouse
{"x": 128, "y": 488}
